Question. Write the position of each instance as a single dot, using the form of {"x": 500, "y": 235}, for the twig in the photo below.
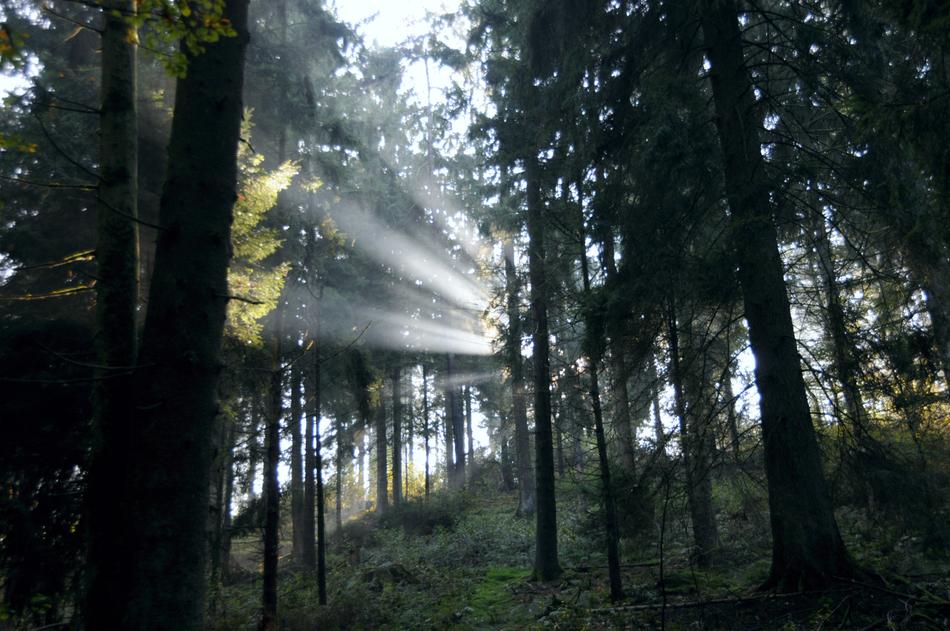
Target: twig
{"x": 75, "y": 187}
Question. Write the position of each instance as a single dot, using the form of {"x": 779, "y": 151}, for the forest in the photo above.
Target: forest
{"x": 530, "y": 314}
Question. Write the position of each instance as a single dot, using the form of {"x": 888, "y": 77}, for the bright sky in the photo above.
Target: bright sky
{"x": 394, "y": 21}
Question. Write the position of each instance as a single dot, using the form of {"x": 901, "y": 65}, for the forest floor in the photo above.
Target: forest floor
{"x": 463, "y": 563}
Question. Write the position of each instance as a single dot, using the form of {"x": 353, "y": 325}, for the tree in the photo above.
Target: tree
{"x": 807, "y": 550}
{"x": 163, "y": 579}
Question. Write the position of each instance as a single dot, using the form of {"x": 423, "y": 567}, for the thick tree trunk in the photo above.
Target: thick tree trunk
{"x": 106, "y": 510}
{"x": 526, "y": 486}
{"x": 294, "y": 419}
{"x": 546, "y": 566}
{"x": 271, "y": 485}
{"x": 807, "y": 550}
{"x": 397, "y": 435}
{"x": 163, "y": 580}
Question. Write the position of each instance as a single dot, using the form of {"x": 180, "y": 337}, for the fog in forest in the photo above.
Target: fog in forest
{"x": 481, "y": 314}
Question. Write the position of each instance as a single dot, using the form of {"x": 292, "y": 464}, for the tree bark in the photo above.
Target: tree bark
{"x": 397, "y": 435}
{"x": 449, "y": 431}
{"x": 611, "y": 525}
{"x": 382, "y": 471}
{"x": 312, "y": 385}
{"x": 106, "y": 510}
{"x": 695, "y": 400}
{"x": 425, "y": 423}
{"x": 526, "y": 486}
{"x": 271, "y": 485}
{"x": 807, "y": 550}
{"x": 618, "y": 362}
{"x": 468, "y": 426}
{"x": 546, "y": 566}
{"x": 321, "y": 535}
{"x": 296, "y": 467}
{"x": 163, "y": 581}
{"x": 458, "y": 424}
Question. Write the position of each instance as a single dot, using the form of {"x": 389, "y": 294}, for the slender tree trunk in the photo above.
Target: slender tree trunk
{"x": 507, "y": 472}
{"x": 308, "y": 557}
{"x": 340, "y": 464}
{"x": 106, "y": 510}
{"x": 449, "y": 431}
{"x": 526, "y": 486}
{"x": 361, "y": 464}
{"x": 618, "y": 362}
{"x": 271, "y": 485}
{"x": 321, "y": 535}
{"x": 846, "y": 366}
{"x": 382, "y": 471}
{"x": 408, "y": 393}
{"x": 296, "y": 466}
{"x": 611, "y": 524}
{"x": 425, "y": 423}
{"x": 397, "y": 435}
{"x": 458, "y": 424}
{"x": 164, "y": 581}
{"x": 253, "y": 451}
{"x": 655, "y": 396}
{"x": 807, "y": 550}
{"x": 694, "y": 398}
{"x": 468, "y": 427}
{"x": 225, "y": 544}
{"x": 546, "y": 566}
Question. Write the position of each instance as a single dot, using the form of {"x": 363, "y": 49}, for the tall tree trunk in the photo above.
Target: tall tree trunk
{"x": 321, "y": 535}
{"x": 611, "y": 525}
{"x": 546, "y": 566}
{"x": 807, "y": 550}
{"x": 298, "y": 533}
{"x": 308, "y": 556}
{"x": 397, "y": 435}
{"x": 163, "y": 581}
{"x": 382, "y": 471}
{"x": 408, "y": 393}
{"x": 618, "y": 362}
{"x": 425, "y": 423}
{"x": 845, "y": 363}
{"x": 507, "y": 472}
{"x": 658, "y": 428}
{"x": 449, "y": 431}
{"x": 458, "y": 424}
{"x": 340, "y": 464}
{"x": 271, "y": 485}
{"x": 225, "y": 542}
{"x": 694, "y": 398}
{"x": 361, "y": 464}
{"x": 526, "y": 486}
{"x": 253, "y": 451}
{"x": 116, "y": 301}
{"x": 468, "y": 426}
